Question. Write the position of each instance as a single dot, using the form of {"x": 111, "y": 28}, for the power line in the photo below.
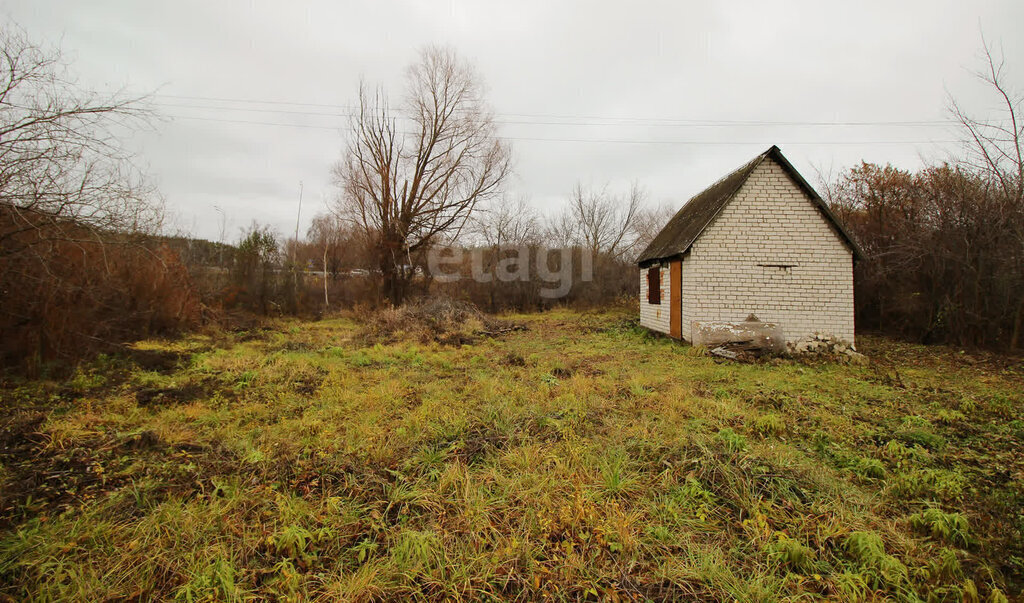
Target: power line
{"x": 349, "y": 111}
{"x": 593, "y": 140}
{"x": 690, "y": 124}
{"x": 259, "y": 123}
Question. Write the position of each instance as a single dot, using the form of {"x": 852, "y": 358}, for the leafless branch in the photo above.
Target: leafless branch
{"x": 410, "y": 182}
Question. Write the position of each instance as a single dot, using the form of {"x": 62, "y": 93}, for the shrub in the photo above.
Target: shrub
{"x": 72, "y": 299}
{"x": 436, "y": 319}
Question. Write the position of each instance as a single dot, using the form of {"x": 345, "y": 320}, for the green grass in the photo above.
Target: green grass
{"x": 581, "y": 459}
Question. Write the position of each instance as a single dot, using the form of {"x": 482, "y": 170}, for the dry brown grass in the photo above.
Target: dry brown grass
{"x": 443, "y": 320}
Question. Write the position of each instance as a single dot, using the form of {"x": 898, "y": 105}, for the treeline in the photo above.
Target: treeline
{"x": 945, "y": 245}
{"x": 944, "y": 253}
{"x": 507, "y": 257}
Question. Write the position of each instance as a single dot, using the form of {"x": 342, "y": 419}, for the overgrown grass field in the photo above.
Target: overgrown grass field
{"x": 579, "y": 459}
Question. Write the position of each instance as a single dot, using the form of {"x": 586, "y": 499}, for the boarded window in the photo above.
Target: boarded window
{"x": 654, "y": 285}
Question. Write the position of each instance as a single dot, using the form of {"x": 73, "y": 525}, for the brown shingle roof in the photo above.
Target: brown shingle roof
{"x": 690, "y": 221}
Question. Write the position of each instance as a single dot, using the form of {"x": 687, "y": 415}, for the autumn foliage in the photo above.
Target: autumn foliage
{"x": 944, "y": 258}
{"x": 69, "y": 296}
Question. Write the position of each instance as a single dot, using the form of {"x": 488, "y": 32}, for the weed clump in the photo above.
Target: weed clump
{"x": 869, "y": 468}
{"x": 928, "y": 484}
{"x": 948, "y": 527}
{"x": 768, "y": 424}
{"x": 733, "y": 441}
{"x": 921, "y": 437}
{"x": 218, "y": 580}
{"x": 792, "y": 554}
{"x": 443, "y": 321}
{"x": 416, "y": 551}
{"x": 867, "y": 550}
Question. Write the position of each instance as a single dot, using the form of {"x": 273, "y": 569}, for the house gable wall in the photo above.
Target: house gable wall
{"x": 771, "y": 253}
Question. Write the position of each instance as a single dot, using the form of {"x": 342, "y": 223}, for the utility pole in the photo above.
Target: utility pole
{"x": 298, "y": 214}
{"x": 295, "y": 249}
{"x": 327, "y": 239}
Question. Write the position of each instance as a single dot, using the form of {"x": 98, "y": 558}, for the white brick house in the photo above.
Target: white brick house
{"x": 759, "y": 241}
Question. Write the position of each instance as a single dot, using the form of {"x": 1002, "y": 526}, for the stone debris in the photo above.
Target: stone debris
{"x": 723, "y": 352}
{"x": 820, "y": 344}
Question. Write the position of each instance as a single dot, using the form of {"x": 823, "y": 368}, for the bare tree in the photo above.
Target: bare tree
{"x": 62, "y": 171}
{"x": 507, "y": 226}
{"x": 649, "y": 221}
{"x": 602, "y": 222}
{"x": 994, "y": 145}
{"x": 411, "y": 181}
{"x": 995, "y": 151}
{"x": 73, "y": 275}
{"x": 508, "y": 221}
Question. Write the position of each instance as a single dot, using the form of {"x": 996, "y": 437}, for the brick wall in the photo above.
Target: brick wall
{"x": 728, "y": 273}
{"x": 655, "y": 316}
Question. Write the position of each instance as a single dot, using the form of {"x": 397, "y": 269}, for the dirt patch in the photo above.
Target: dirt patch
{"x": 513, "y": 359}
{"x": 577, "y": 367}
{"x": 42, "y": 477}
{"x": 771, "y": 399}
{"x": 149, "y": 397}
{"x": 158, "y": 361}
{"x": 894, "y": 352}
{"x": 308, "y": 384}
{"x": 479, "y": 442}
{"x": 146, "y": 440}
{"x": 703, "y": 390}
{"x": 473, "y": 445}
{"x": 293, "y": 346}
{"x": 563, "y": 372}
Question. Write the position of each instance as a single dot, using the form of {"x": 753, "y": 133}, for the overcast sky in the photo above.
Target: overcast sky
{"x": 252, "y": 92}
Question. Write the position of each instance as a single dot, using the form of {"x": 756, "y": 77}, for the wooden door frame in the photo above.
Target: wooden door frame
{"x": 675, "y": 296}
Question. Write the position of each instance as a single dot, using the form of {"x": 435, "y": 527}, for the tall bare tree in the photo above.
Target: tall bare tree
{"x": 995, "y": 150}
{"x": 73, "y": 275}
{"x": 649, "y": 221}
{"x": 509, "y": 221}
{"x": 62, "y": 170}
{"x": 994, "y": 145}
{"x": 411, "y": 180}
{"x": 601, "y": 221}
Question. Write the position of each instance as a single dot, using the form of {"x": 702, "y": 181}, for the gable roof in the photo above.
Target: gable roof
{"x": 690, "y": 221}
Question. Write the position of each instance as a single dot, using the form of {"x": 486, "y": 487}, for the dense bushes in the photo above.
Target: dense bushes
{"x": 944, "y": 254}
{"x": 69, "y": 296}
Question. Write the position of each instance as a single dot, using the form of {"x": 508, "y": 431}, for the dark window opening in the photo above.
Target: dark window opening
{"x": 654, "y": 285}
